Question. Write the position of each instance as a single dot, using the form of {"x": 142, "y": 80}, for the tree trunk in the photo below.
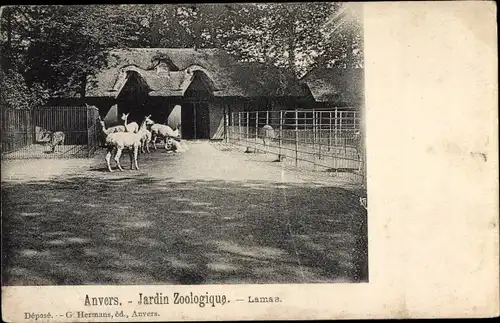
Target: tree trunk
{"x": 291, "y": 56}
{"x": 83, "y": 85}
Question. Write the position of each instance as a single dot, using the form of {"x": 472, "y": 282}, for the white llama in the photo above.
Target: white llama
{"x": 146, "y": 134}
{"x": 56, "y": 138}
{"x": 131, "y": 127}
{"x": 162, "y": 131}
{"x": 118, "y": 141}
{"x": 268, "y": 134}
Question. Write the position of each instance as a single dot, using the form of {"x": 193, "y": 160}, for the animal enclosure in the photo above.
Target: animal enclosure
{"x": 330, "y": 140}
{"x": 49, "y": 132}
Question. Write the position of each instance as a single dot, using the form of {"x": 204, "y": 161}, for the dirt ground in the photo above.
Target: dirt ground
{"x": 209, "y": 215}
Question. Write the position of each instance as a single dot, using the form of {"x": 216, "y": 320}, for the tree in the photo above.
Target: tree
{"x": 14, "y": 91}
{"x": 296, "y": 36}
{"x": 344, "y": 36}
{"x": 159, "y": 25}
{"x": 55, "y": 48}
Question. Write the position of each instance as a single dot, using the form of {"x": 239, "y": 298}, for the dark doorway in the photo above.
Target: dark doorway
{"x": 195, "y": 121}
{"x": 195, "y": 114}
{"x": 133, "y": 97}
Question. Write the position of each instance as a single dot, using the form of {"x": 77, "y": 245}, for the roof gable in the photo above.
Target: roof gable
{"x": 133, "y": 82}
{"x": 341, "y": 86}
{"x": 200, "y": 87}
{"x": 226, "y": 75}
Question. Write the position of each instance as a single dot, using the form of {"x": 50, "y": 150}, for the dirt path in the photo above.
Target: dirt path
{"x": 204, "y": 216}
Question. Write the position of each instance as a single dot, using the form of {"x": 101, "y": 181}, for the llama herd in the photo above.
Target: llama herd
{"x": 136, "y": 138}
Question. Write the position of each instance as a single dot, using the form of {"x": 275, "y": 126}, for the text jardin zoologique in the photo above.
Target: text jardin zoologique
{"x": 190, "y": 298}
{"x": 201, "y": 300}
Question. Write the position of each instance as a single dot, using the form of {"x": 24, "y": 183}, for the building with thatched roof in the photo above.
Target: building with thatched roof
{"x": 207, "y": 84}
{"x": 336, "y": 87}
{"x": 199, "y": 90}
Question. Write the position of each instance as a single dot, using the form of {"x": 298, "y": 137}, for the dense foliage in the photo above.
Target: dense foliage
{"x": 50, "y": 50}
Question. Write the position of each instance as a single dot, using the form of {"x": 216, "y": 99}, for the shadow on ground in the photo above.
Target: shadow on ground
{"x": 131, "y": 229}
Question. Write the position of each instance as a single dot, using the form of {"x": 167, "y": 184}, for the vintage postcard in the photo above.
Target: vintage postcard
{"x": 249, "y": 161}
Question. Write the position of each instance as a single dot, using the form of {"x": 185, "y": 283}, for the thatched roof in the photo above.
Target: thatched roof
{"x": 226, "y": 76}
{"x": 340, "y": 86}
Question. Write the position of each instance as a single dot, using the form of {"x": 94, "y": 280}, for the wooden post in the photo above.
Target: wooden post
{"x": 329, "y": 130}
{"x": 30, "y": 127}
{"x": 280, "y": 153}
{"x": 354, "y": 121}
{"x": 267, "y": 117}
{"x": 319, "y": 135}
{"x": 248, "y": 129}
{"x": 314, "y": 137}
{"x": 296, "y": 138}
{"x": 336, "y": 138}
{"x": 344, "y": 137}
{"x": 256, "y": 129}
{"x": 239, "y": 126}
{"x": 225, "y": 121}
{"x": 336, "y": 129}
{"x": 88, "y": 134}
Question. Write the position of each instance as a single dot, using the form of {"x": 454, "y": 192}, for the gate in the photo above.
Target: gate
{"x": 16, "y": 129}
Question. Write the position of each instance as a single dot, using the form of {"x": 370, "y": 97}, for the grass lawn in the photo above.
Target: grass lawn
{"x": 203, "y": 217}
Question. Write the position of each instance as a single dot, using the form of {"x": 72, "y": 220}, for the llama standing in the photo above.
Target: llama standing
{"x": 268, "y": 135}
{"x": 131, "y": 127}
{"x": 146, "y": 134}
{"x": 56, "y": 138}
{"x": 118, "y": 141}
{"x": 107, "y": 131}
{"x": 162, "y": 131}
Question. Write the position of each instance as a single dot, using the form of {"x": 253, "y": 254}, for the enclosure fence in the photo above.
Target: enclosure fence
{"x": 322, "y": 140}
{"x": 49, "y": 132}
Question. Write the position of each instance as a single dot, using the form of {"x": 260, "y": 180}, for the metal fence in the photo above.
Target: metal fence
{"x": 322, "y": 140}
{"x": 49, "y": 132}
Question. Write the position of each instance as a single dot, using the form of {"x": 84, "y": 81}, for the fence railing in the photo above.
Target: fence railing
{"x": 49, "y": 132}
{"x": 16, "y": 129}
{"x": 323, "y": 140}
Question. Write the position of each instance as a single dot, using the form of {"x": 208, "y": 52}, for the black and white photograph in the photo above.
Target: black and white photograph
{"x": 183, "y": 144}
{"x": 218, "y": 161}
